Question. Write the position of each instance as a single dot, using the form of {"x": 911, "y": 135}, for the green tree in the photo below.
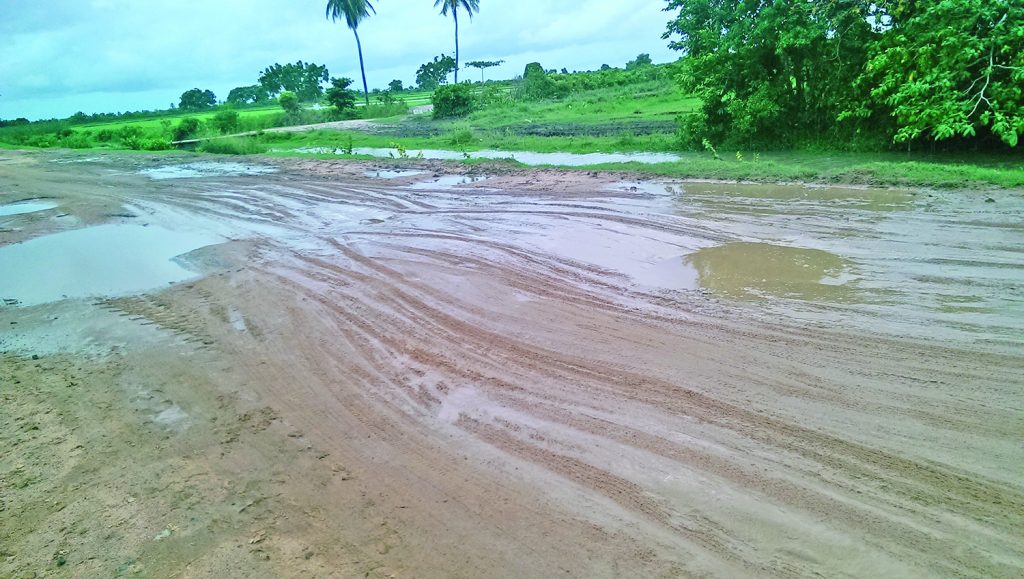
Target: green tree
{"x": 771, "y": 72}
{"x": 482, "y": 64}
{"x": 471, "y": 7}
{"x": 289, "y": 101}
{"x": 244, "y": 95}
{"x": 302, "y": 78}
{"x": 340, "y": 96}
{"x": 353, "y": 11}
{"x": 197, "y": 100}
{"x": 432, "y": 74}
{"x": 950, "y": 68}
{"x": 642, "y": 59}
{"x": 395, "y": 86}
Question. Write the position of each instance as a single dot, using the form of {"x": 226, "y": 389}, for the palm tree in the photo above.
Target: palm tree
{"x": 470, "y": 6}
{"x": 353, "y": 11}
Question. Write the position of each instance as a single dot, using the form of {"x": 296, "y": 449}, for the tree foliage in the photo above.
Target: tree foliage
{"x": 484, "y": 64}
{"x": 196, "y": 100}
{"x": 340, "y": 96}
{"x": 856, "y": 72}
{"x": 769, "y": 72}
{"x": 642, "y": 59}
{"x": 432, "y": 74}
{"x": 952, "y": 68}
{"x": 395, "y": 86}
{"x": 303, "y": 79}
{"x": 245, "y": 95}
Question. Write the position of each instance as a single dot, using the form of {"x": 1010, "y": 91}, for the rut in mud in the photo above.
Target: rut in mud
{"x": 540, "y": 373}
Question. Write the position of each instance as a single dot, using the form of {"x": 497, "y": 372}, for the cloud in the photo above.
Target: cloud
{"x": 109, "y": 55}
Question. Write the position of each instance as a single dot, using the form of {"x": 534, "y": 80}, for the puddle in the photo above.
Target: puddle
{"x": 392, "y": 174}
{"x": 524, "y": 157}
{"x": 753, "y": 270}
{"x": 206, "y": 169}
{"x": 22, "y": 207}
{"x": 106, "y": 260}
{"x": 642, "y": 187}
{"x": 445, "y": 182}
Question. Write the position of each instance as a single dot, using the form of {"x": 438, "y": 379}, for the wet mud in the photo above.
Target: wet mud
{"x": 378, "y": 372}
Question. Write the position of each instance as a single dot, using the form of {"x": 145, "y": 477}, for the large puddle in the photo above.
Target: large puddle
{"x": 206, "y": 169}
{"x": 755, "y": 270}
{"x": 22, "y": 207}
{"x": 524, "y": 157}
{"x": 106, "y": 260}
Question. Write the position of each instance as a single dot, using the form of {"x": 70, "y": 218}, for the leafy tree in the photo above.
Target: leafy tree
{"x": 395, "y": 86}
{"x": 770, "y": 72}
{"x": 289, "y": 101}
{"x": 435, "y": 73}
{"x": 642, "y": 59}
{"x": 340, "y": 96}
{"x": 353, "y": 11}
{"x": 482, "y": 64}
{"x": 196, "y": 100}
{"x": 452, "y": 101}
{"x": 951, "y": 68}
{"x": 471, "y": 7}
{"x": 303, "y": 79}
{"x": 244, "y": 95}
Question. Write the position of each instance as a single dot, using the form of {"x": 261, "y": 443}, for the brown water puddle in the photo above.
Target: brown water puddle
{"x": 756, "y": 270}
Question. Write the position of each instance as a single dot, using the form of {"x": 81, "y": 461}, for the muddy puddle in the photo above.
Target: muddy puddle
{"x": 206, "y": 169}
{"x": 22, "y": 207}
{"x": 524, "y": 157}
{"x": 105, "y": 260}
{"x": 759, "y": 270}
{"x": 386, "y": 174}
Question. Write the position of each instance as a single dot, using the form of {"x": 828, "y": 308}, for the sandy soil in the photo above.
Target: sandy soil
{"x": 428, "y": 376}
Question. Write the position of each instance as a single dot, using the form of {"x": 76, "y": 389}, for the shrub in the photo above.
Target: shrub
{"x": 187, "y": 128}
{"x": 105, "y": 135}
{"x": 461, "y": 137}
{"x": 453, "y": 101}
{"x": 289, "y": 101}
{"x": 225, "y": 121}
{"x": 233, "y": 146}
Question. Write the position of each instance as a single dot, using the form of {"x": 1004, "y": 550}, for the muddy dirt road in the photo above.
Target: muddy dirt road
{"x": 308, "y": 368}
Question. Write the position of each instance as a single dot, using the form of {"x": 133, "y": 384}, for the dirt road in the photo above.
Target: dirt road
{"x": 392, "y": 371}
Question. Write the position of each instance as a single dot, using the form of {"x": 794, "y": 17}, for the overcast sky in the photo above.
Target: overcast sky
{"x": 62, "y": 56}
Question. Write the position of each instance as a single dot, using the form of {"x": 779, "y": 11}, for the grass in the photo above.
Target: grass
{"x": 633, "y": 118}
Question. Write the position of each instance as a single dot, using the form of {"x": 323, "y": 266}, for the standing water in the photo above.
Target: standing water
{"x": 106, "y": 260}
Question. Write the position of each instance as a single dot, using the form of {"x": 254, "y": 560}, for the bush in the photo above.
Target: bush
{"x": 461, "y": 137}
{"x": 225, "y": 121}
{"x": 186, "y": 129}
{"x": 105, "y": 135}
{"x": 453, "y": 101}
{"x": 233, "y": 146}
{"x": 289, "y": 101}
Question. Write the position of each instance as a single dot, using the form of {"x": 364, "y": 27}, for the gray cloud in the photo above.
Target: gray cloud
{"x": 110, "y": 55}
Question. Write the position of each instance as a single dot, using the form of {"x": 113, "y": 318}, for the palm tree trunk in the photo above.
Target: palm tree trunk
{"x": 359, "y": 46}
{"x": 455, "y": 14}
